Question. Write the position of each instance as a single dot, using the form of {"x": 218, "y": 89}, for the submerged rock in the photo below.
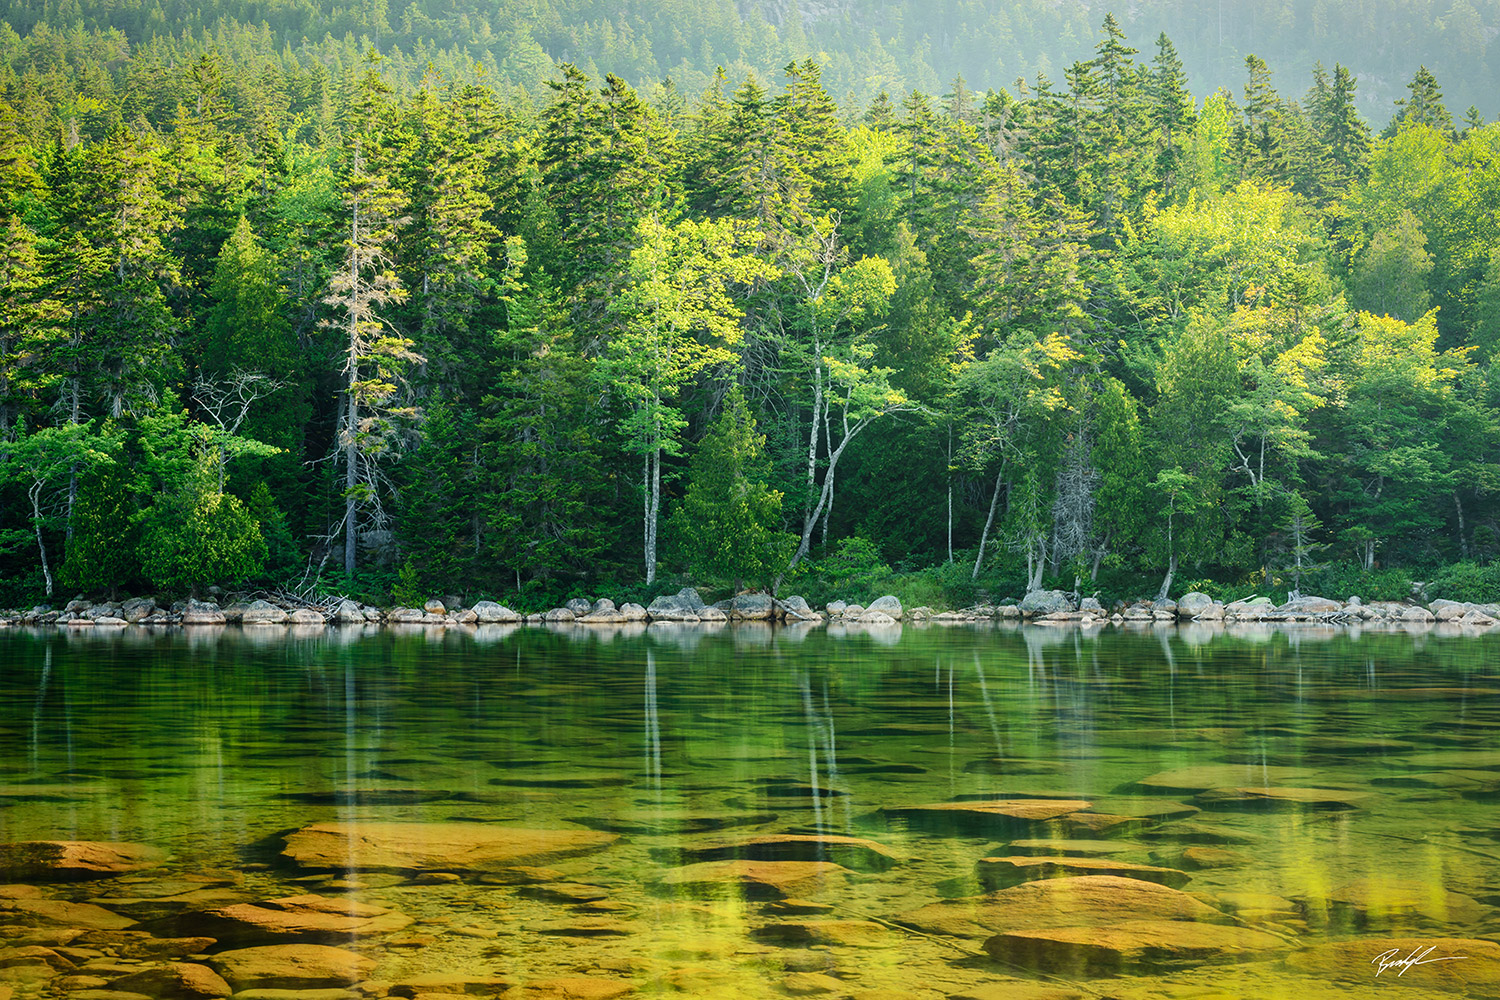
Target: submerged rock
{"x": 851, "y": 852}
{"x": 70, "y": 860}
{"x": 291, "y": 967}
{"x": 1002, "y": 873}
{"x": 1130, "y": 946}
{"x": 451, "y": 847}
{"x": 755, "y": 879}
{"x": 177, "y": 981}
{"x": 310, "y": 918}
{"x": 997, "y": 817}
{"x": 1080, "y": 901}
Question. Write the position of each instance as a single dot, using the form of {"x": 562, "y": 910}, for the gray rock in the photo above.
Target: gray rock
{"x": 674, "y": 608}
{"x": 579, "y": 606}
{"x": 853, "y": 611}
{"x": 602, "y": 604}
{"x": 435, "y": 607}
{"x": 749, "y": 607}
{"x": 1311, "y": 605}
{"x": 464, "y": 617}
{"x": 263, "y": 613}
{"x": 307, "y": 616}
{"x": 348, "y": 613}
{"x": 690, "y": 599}
{"x": 1416, "y": 615}
{"x": 404, "y": 616}
{"x": 77, "y": 605}
{"x": 112, "y": 620}
{"x": 1091, "y": 604}
{"x": 559, "y": 615}
{"x": 836, "y": 607}
{"x": 1355, "y": 602}
{"x": 1193, "y": 604}
{"x": 797, "y": 604}
{"x": 887, "y": 605}
{"x": 633, "y": 612}
{"x": 490, "y": 613}
{"x": 712, "y": 615}
{"x": 202, "y": 613}
{"x": 873, "y": 617}
{"x": 1045, "y": 602}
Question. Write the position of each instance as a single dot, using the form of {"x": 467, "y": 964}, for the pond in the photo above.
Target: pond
{"x": 1026, "y": 812}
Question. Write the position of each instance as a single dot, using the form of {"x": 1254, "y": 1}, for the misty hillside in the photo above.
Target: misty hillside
{"x": 865, "y": 46}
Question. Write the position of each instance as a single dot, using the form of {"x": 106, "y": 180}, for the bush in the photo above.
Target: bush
{"x": 1466, "y": 581}
{"x": 1340, "y": 581}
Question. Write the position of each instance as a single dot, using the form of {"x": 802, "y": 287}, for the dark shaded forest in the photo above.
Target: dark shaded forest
{"x": 288, "y": 313}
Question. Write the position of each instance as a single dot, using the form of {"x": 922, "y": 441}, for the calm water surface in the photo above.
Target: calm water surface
{"x": 1313, "y": 785}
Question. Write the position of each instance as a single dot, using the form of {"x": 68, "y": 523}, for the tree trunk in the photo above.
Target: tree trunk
{"x": 653, "y": 507}
{"x": 1166, "y": 584}
{"x": 35, "y": 492}
{"x": 988, "y": 522}
{"x": 1463, "y": 538}
{"x": 950, "y": 493}
{"x": 351, "y": 413}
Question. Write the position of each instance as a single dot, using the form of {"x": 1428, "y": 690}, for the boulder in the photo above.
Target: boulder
{"x": 1311, "y": 606}
{"x": 306, "y": 616}
{"x": 434, "y": 607}
{"x": 202, "y": 613}
{"x": 71, "y": 860}
{"x": 291, "y": 967}
{"x": 60, "y": 913}
{"x": 559, "y": 615}
{"x": 1045, "y": 602}
{"x": 712, "y": 615}
{"x": 876, "y": 618}
{"x": 1193, "y": 604}
{"x": 633, "y": 612}
{"x": 137, "y": 608}
{"x": 107, "y": 620}
{"x": 448, "y": 847}
{"x": 579, "y": 606}
{"x": 750, "y": 607}
{"x": 1415, "y": 614}
{"x": 604, "y": 616}
{"x": 672, "y": 609}
{"x": 836, "y": 607}
{"x": 1092, "y": 605}
{"x": 690, "y": 599}
{"x": 799, "y": 605}
{"x": 176, "y": 981}
{"x": 490, "y": 613}
{"x": 602, "y": 605}
{"x": 262, "y": 613}
{"x": 348, "y": 613}
{"x": 887, "y": 605}
{"x": 404, "y": 616}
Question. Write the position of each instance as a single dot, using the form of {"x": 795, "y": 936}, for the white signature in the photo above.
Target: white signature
{"x": 1389, "y": 960}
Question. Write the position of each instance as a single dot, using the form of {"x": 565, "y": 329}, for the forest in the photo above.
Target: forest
{"x": 271, "y": 322}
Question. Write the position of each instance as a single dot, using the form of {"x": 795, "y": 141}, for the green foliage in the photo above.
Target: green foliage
{"x": 407, "y": 592}
{"x": 1466, "y": 581}
{"x": 197, "y": 536}
{"x": 729, "y": 520}
{"x": 102, "y": 554}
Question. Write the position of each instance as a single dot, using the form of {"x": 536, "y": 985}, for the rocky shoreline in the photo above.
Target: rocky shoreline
{"x": 1050, "y": 607}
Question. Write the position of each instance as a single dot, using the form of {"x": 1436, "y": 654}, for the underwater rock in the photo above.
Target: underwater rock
{"x": 178, "y": 981}
{"x": 992, "y": 817}
{"x": 453, "y": 847}
{"x": 291, "y": 967}
{"x": 1206, "y": 776}
{"x": 754, "y": 879}
{"x": 1002, "y": 873}
{"x": 59, "y": 913}
{"x": 1063, "y": 848}
{"x": 70, "y": 860}
{"x": 1130, "y": 946}
{"x": 307, "y": 918}
{"x": 838, "y": 933}
{"x": 1078, "y": 901}
{"x": 854, "y": 853}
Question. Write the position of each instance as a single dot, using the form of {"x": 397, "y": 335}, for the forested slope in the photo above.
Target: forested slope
{"x": 262, "y": 320}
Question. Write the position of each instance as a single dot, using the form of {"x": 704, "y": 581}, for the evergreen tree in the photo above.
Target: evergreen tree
{"x": 729, "y": 520}
{"x": 1424, "y": 106}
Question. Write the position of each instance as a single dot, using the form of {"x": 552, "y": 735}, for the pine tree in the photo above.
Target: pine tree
{"x": 371, "y": 413}
{"x": 1424, "y": 106}
{"x": 1172, "y": 115}
{"x": 729, "y": 520}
